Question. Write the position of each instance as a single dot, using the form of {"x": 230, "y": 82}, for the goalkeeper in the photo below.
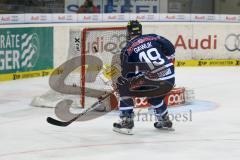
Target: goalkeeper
{"x": 156, "y": 54}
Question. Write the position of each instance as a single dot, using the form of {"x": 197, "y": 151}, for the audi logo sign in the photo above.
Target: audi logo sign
{"x": 232, "y": 42}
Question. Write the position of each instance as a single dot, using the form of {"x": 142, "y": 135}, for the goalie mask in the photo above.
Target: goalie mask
{"x": 134, "y": 28}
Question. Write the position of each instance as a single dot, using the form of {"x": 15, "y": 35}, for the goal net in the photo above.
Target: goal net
{"x": 96, "y": 52}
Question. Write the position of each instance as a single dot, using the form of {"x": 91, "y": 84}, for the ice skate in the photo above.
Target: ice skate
{"x": 124, "y": 126}
{"x": 164, "y": 123}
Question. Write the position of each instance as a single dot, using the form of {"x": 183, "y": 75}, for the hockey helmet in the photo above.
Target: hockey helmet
{"x": 134, "y": 28}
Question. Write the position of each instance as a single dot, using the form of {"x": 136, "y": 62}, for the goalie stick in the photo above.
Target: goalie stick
{"x": 64, "y": 124}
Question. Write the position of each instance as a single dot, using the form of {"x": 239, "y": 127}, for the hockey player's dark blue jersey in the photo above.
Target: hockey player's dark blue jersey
{"x": 153, "y": 50}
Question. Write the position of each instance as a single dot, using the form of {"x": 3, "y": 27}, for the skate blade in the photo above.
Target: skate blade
{"x": 166, "y": 129}
{"x": 123, "y": 131}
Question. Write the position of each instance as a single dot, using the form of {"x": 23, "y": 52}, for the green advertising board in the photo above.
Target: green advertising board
{"x": 26, "y": 49}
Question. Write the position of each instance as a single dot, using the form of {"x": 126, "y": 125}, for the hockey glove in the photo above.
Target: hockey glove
{"x": 123, "y": 86}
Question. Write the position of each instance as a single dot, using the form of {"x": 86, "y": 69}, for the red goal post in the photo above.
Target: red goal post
{"x": 84, "y": 41}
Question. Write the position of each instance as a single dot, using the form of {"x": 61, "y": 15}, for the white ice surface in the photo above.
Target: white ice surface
{"x": 212, "y": 134}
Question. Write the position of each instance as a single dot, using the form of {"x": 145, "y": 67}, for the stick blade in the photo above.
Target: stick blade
{"x": 56, "y": 122}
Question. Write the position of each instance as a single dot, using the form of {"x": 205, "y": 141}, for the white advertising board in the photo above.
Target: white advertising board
{"x": 205, "y": 18}
{"x": 117, "y": 17}
{"x": 38, "y": 18}
{"x": 146, "y": 17}
{"x": 201, "y": 40}
{"x": 89, "y": 18}
{"x": 11, "y": 18}
{"x": 230, "y": 18}
{"x": 64, "y": 18}
{"x": 193, "y": 41}
{"x": 174, "y": 17}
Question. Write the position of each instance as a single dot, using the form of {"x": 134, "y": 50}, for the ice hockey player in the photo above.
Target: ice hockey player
{"x": 158, "y": 54}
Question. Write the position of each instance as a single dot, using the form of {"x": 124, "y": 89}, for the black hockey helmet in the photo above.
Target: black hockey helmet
{"x": 133, "y": 28}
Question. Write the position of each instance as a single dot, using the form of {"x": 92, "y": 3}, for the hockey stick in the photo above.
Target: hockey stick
{"x": 94, "y": 105}
{"x": 64, "y": 124}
